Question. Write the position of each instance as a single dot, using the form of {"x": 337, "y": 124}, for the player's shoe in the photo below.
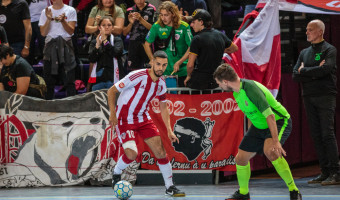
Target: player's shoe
{"x": 238, "y": 196}
{"x": 318, "y": 179}
{"x": 174, "y": 191}
{"x": 295, "y": 195}
{"x": 115, "y": 179}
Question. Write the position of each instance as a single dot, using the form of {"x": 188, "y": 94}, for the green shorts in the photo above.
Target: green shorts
{"x": 253, "y": 141}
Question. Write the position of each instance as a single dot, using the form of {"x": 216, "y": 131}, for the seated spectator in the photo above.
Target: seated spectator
{"x": 57, "y": 23}
{"x": 104, "y": 8}
{"x": 3, "y": 36}
{"x": 18, "y": 76}
{"x": 15, "y": 18}
{"x": 189, "y": 6}
{"x": 138, "y": 21}
{"x": 106, "y": 54}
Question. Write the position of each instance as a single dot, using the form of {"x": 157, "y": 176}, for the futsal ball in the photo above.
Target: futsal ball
{"x": 123, "y": 190}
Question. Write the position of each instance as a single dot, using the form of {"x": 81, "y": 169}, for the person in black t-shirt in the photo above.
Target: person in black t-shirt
{"x": 206, "y": 51}
{"x": 18, "y": 76}
{"x": 138, "y": 21}
{"x": 15, "y": 18}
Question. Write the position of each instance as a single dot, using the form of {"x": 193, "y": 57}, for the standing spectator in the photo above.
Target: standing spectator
{"x": 215, "y": 8}
{"x": 315, "y": 69}
{"x": 18, "y": 76}
{"x": 15, "y": 18}
{"x": 178, "y": 35}
{"x": 57, "y": 23}
{"x": 271, "y": 126}
{"x": 104, "y": 8}
{"x": 189, "y": 6}
{"x": 106, "y": 54}
{"x": 138, "y": 21}
{"x": 206, "y": 50}
{"x": 36, "y": 7}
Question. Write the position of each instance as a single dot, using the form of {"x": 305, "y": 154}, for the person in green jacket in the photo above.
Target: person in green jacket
{"x": 177, "y": 47}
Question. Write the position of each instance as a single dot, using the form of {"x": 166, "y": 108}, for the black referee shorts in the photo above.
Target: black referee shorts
{"x": 253, "y": 141}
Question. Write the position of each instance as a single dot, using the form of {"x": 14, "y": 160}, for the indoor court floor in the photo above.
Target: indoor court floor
{"x": 260, "y": 189}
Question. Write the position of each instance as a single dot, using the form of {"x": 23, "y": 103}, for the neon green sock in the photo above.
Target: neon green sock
{"x": 282, "y": 168}
{"x": 243, "y": 176}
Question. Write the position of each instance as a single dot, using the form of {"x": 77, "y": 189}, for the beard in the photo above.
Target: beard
{"x": 229, "y": 89}
{"x": 158, "y": 73}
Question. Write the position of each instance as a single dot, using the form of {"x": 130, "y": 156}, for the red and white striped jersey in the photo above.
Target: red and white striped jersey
{"x": 137, "y": 90}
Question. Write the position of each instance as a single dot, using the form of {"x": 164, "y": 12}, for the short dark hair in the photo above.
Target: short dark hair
{"x": 160, "y": 54}
{"x": 225, "y": 72}
{"x": 5, "y": 50}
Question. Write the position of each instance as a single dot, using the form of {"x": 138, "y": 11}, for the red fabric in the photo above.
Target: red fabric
{"x": 126, "y": 159}
{"x": 226, "y": 132}
{"x": 163, "y": 161}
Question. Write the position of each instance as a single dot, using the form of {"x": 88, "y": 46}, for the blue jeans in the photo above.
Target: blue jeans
{"x": 102, "y": 85}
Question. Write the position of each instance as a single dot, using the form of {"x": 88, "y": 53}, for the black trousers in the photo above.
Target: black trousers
{"x": 320, "y": 114}
{"x": 67, "y": 78}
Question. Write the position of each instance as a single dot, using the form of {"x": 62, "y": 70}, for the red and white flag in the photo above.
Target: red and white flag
{"x": 308, "y": 6}
{"x": 259, "y": 54}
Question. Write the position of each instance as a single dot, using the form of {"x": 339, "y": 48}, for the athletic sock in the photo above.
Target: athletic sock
{"x": 165, "y": 167}
{"x": 122, "y": 163}
{"x": 283, "y": 170}
{"x": 243, "y": 176}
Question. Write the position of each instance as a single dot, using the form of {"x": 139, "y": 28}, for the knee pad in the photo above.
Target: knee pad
{"x": 130, "y": 145}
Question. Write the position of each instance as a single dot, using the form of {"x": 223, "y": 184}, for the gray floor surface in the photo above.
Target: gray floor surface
{"x": 260, "y": 189}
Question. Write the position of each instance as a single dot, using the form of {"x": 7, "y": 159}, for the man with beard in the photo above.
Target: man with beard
{"x": 131, "y": 118}
{"x": 271, "y": 126}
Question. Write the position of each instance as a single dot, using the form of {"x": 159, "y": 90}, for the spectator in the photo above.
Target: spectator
{"x": 3, "y": 36}
{"x": 206, "y": 50}
{"x": 106, "y": 54}
{"x": 189, "y": 6}
{"x": 15, "y": 18}
{"x": 174, "y": 36}
{"x": 104, "y": 8}
{"x": 18, "y": 76}
{"x": 138, "y": 21}
{"x": 35, "y": 8}
{"x": 316, "y": 69}
{"x": 57, "y": 23}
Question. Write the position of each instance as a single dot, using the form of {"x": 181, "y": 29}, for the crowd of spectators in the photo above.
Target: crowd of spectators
{"x": 47, "y": 31}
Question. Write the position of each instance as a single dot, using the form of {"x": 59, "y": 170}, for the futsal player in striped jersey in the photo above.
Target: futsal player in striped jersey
{"x": 130, "y": 118}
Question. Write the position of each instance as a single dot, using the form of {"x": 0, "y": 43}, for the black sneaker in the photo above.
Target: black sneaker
{"x": 333, "y": 179}
{"x": 115, "y": 179}
{"x": 295, "y": 195}
{"x": 173, "y": 191}
{"x": 238, "y": 196}
{"x": 319, "y": 178}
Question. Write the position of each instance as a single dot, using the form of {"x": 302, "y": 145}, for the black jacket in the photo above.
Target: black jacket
{"x": 317, "y": 80}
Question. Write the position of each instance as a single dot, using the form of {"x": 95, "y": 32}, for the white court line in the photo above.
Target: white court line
{"x": 167, "y": 197}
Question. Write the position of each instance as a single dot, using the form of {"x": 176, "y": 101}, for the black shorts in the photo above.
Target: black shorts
{"x": 253, "y": 141}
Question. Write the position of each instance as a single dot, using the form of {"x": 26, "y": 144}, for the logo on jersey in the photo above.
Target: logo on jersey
{"x": 177, "y": 36}
{"x": 164, "y": 33}
{"x": 194, "y": 137}
{"x": 318, "y": 56}
{"x": 159, "y": 89}
{"x": 3, "y": 19}
{"x": 143, "y": 86}
{"x": 146, "y": 18}
{"x": 246, "y": 102}
{"x": 121, "y": 85}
